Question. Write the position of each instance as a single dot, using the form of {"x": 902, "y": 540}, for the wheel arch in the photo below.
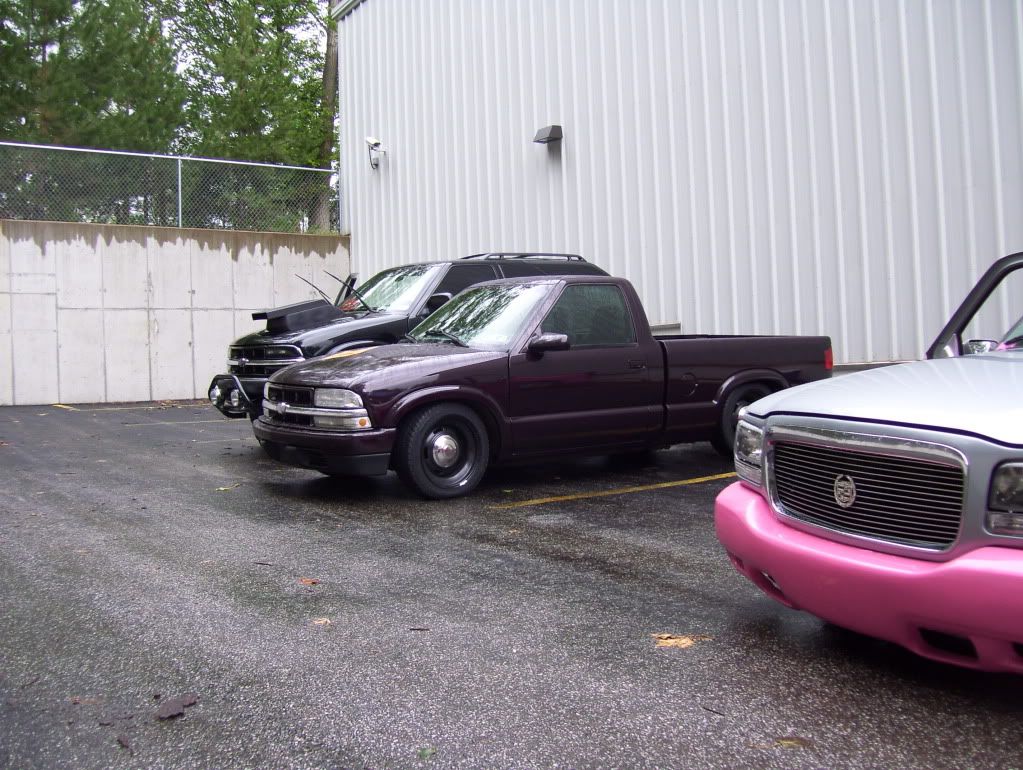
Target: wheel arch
{"x": 770, "y": 378}
{"x": 484, "y": 405}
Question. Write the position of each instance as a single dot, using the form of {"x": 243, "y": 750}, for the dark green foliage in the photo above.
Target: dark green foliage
{"x": 238, "y": 79}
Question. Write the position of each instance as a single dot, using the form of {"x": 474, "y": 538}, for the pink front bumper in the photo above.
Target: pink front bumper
{"x": 978, "y": 596}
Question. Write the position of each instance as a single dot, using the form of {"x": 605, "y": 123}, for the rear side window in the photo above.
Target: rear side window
{"x": 463, "y": 276}
{"x": 591, "y": 315}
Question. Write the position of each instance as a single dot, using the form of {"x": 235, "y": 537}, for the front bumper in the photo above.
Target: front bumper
{"x": 928, "y": 607}
{"x": 247, "y": 402}
{"x": 362, "y": 453}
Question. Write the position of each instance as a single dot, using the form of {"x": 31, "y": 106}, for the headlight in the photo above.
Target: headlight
{"x": 335, "y": 398}
{"x": 749, "y": 451}
{"x": 1005, "y": 501}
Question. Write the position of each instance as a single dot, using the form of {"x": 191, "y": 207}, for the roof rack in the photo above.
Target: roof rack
{"x": 525, "y": 255}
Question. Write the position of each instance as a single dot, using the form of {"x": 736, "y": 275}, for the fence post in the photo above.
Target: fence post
{"x": 179, "y": 192}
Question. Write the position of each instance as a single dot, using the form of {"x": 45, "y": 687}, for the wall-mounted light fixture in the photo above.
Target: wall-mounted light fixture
{"x": 548, "y": 134}
{"x": 375, "y": 150}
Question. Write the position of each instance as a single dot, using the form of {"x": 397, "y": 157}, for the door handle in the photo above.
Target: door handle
{"x": 635, "y": 364}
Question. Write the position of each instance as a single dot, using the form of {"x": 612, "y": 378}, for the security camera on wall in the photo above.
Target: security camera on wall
{"x": 373, "y": 147}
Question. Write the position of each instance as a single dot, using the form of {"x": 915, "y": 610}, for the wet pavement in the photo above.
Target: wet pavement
{"x": 149, "y": 554}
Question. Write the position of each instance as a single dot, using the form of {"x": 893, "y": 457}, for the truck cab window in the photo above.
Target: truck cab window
{"x": 591, "y": 315}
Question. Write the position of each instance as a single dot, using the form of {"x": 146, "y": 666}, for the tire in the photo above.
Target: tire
{"x": 442, "y": 451}
{"x": 723, "y": 439}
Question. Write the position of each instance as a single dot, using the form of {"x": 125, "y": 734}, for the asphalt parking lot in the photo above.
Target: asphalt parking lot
{"x": 151, "y": 557}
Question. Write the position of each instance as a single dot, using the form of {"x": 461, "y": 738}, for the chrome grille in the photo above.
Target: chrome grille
{"x": 255, "y": 361}
{"x": 289, "y": 394}
{"x": 293, "y": 397}
{"x": 898, "y": 499}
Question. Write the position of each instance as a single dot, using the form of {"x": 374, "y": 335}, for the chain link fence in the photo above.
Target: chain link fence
{"x": 75, "y": 185}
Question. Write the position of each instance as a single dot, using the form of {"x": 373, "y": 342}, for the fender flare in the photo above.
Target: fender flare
{"x": 769, "y": 377}
{"x": 486, "y": 406}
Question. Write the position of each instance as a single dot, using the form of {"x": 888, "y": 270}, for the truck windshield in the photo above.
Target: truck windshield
{"x": 1013, "y": 339}
{"x": 487, "y": 317}
{"x": 393, "y": 290}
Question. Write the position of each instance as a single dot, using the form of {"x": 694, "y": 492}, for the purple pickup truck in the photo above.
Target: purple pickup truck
{"x": 890, "y": 501}
{"x": 520, "y": 370}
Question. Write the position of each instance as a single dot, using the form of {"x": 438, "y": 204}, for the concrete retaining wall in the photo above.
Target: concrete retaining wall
{"x": 107, "y": 313}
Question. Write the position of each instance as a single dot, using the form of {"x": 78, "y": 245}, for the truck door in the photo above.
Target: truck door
{"x": 604, "y": 391}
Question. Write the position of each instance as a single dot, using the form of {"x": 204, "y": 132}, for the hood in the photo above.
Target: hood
{"x": 979, "y": 394}
{"x": 400, "y": 364}
{"x": 348, "y": 324}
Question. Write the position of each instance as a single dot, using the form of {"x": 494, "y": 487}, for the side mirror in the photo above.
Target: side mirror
{"x": 435, "y": 301}
{"x": 974, "y": 347}
{"x": 547, "y": 342}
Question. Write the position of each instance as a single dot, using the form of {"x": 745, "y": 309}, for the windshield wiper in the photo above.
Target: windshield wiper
{"x": 356, "y": 292}
{"x": 448, "y": 335}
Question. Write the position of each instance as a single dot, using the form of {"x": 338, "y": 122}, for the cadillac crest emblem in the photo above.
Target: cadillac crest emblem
{"x": 845, "y": 490}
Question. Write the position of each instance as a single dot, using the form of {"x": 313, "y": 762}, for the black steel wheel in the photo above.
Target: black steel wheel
{"x": 723, "y": 439}
{"x": 442, "y": 451}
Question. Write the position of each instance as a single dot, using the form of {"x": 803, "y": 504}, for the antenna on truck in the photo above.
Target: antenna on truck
{"x": 318, "y": 290}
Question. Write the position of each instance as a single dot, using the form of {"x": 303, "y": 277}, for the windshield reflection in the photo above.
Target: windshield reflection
{"x": 394, "y": 290}
{"x": 487, "y": 317}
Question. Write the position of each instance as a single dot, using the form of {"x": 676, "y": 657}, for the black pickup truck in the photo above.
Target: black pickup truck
{"x": 381, "y": 311}
{"x": 518, "y": 370}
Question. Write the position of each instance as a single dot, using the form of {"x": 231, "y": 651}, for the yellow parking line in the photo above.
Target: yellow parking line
{"x": 609, "y": 492}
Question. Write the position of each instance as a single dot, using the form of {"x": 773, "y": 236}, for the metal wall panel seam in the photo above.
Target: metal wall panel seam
{"x": 695, "y": 311}
{"x": 861, "y": 191}
{"x": 790, "y": 173}
{"x": 886, "y": 189}
{"x": 569, "y": 106}
{"x": 753, "y": 253}
{"x": 730, "y": 239}
{"x": 837, "y": 196}
{"x": 715, "y": 325}
{"x": 673, "y": 253}
{"x": 612, "y": 218}
{"x": 814, "y": 182}
{"x": 657, "y": 153}
{"x": 627, "y": 224}
{"x": 996, "y": 150}
{"x": 939, "y": 165}
{"x": 914, "y": 202}
{"x": 772, "y": 229}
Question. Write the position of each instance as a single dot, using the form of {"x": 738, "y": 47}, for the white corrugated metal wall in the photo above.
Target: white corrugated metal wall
{"x": 844, "y": 167}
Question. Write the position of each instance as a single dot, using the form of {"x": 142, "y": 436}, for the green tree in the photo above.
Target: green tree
{"x": 93, "y": 73}
{"x": 30, "y": 33}
{"x": 253, "y": 68}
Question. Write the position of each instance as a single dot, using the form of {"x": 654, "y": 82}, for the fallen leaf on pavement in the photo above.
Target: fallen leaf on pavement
{"x": 87, "y": 700}
{"x": 793, "y": 742}
{"x": 309, "y": 581}
{"x": 228, "y": 489}
{"x": 427, "y": 752}
{"x": 4, "y": 443}
{"x": 122, "y": 741}
{"x": 175, "y": 707}
{"x": 321, "y": 621}
{"x": 681, "y": 642}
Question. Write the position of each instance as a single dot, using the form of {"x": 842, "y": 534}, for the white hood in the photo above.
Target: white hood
{"x": 979, "y": 394}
